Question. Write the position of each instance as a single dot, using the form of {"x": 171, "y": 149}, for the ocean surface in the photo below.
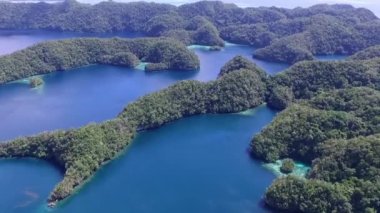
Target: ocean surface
{"x": 198, "y": 164}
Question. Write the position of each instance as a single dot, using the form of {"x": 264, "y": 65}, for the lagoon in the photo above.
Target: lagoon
{"x": 95, "y": 93}
{"x": 198, "y": 164}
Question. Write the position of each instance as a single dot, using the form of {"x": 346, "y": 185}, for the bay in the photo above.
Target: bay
{"x": 198, "y": 164}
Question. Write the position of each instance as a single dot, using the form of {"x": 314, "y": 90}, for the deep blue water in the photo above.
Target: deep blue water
{"x": 197, "y": 164}
{"x": 92, "y": 94}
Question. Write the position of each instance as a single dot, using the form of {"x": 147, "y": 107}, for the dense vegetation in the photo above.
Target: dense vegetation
{"x": 332, "y": 109}
{"x": 287, "y": 166}
{"x": 285, "y": 35}
{"x": 81, "y": 152}
{"x": 239, "y": 62}
{"x": 35, "y": 82}
{"x": 292, "y": 194}
{"x": 337, "y": 131}
{"x": 306, "y": 79}
{"x": 332, "y": 120}
{"x": 232, "y": 92}
{"x": 67, "y": 54}
{"x": 298, "y": 131}
{"x": 369, "y": 53}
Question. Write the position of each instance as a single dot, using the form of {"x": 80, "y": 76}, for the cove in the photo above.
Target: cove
{"x": 95, "y": 93}
{"x": 216, "y": 173}
{"x": 201, "y": 161}
{"x": 197, "y": 164}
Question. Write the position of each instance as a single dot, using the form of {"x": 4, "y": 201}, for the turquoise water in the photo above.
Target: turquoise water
{"x": 300, "y": 169}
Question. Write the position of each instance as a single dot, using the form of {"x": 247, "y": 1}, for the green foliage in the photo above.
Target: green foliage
{"x": 162, "y": 23}
{"x": 126, "y": 59}
{"x": 67, "y": 54}
{"x": 317, "y": 35}
{"x": 294, "y": 194}
{"x": 338, "y": 131}
{"x": 362, "y": 102}
{"x": 334, "y": 123}
{"x": 288, "y": 50}
{"x": 208, "y": 35}
{"x": 239, "y": 62}
{"x": 369, "y": 53}
{"x": 35, "y": 82}
{"x": 287, "y": 166}
{"x": 280, "y": 97}
{"x": 257, "y": 35}
{"x": 284, "y": 35}
{"x": 344, "y": 159}
{"x": 80, "y": 152}
{"x": 306, "y": 79}
{"x": 297, "y": 131}
{"x": 233, "y": 92}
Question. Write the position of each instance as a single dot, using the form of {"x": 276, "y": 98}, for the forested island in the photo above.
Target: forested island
{"x": 46, "y": 57}
{"x": 331, "y": 110}
{"x": 283, "y": 35}
{"x": 311, "y": 129}
{"x": 81, "y": 152}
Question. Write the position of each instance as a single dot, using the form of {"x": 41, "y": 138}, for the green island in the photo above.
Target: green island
{"x": 287, "y": 166}
{"x": 283, "y": 35}
{"x": 311, "y": 130}
{"x": 337, "y": 132}
{"x": 369, "y": 53}
{"x": 36, "y": 82}
{"x": 331, "y": 121}
{"x": 46, "y": 57}
{"x": 81, "y": 152}
{"x": 331, "y": 110}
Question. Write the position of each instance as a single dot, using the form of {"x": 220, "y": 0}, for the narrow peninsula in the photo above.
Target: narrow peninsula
{"x": 46, "y": 57}
{"x": 330, "y": 116}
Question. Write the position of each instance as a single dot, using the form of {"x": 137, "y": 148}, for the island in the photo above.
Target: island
{"x": 311, "y": 129}
{"x": 36, "y": 82}
{"x": 369, "y": 53}
{"x": 282, "y": 35}
{"x": 81, "y": 152}
{"x": 51, "y": 56}
{"x": 329, "y": 111}
{"x": 337, "y": 133}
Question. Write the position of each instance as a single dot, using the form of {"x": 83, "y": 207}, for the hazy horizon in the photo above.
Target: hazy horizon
{"x": 372, "y": 5}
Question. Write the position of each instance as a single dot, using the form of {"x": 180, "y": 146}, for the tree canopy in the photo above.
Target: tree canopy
{"x": 284, "y": 35}
{"x": 67, "y": 54}
{"x": 81, "y": 152}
